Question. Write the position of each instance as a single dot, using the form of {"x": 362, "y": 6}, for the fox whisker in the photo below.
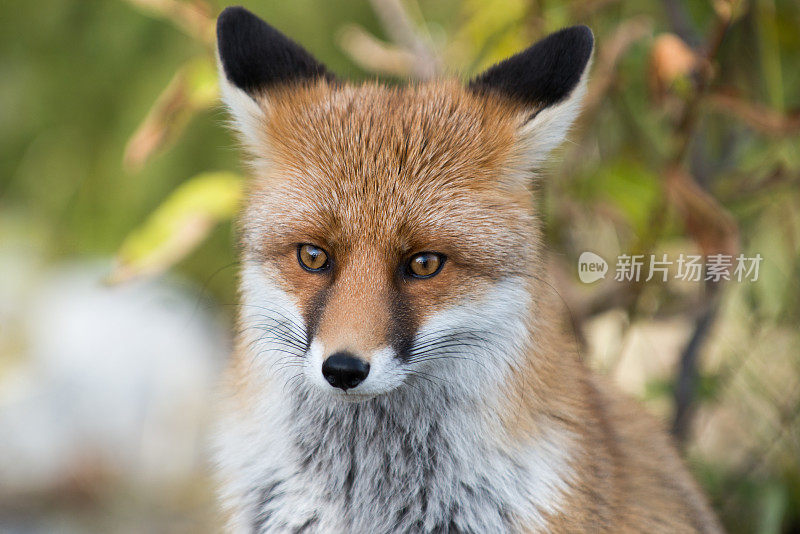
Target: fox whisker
{"x": 288, "y": 322}
{"x": 291, "y": 381}
{"x": 445, "y": 356}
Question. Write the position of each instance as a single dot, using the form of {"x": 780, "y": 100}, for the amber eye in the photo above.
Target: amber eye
{"x": 425, "y": 264}
{"x": 312, "y": 258}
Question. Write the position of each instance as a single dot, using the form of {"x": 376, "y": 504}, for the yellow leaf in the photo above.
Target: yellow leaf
{"x": 177, "y": 226}
{"x": 193, "y": 88}
{"x": 671, "y": 60}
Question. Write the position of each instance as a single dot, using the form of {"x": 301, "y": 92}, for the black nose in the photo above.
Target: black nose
{"x": 343, "y": 370}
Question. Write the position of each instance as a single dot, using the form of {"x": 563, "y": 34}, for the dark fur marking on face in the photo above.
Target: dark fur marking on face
{"x": 256, "y": 56}
{"x": 403, "y": 325}
{"x": 313, "y": 312}
{"x": 543, "y": 74}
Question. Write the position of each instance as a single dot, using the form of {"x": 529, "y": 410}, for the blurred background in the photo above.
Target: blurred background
{"x": 118, "y": 183}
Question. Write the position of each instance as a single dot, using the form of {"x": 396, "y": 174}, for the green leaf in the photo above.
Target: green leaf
{"x": 201, "y": 79}
{"x": 630, "y": 187}
{"x": 493, "y": 31}
{"x": 180, "y": 224}
{"x": 774, "y": 501}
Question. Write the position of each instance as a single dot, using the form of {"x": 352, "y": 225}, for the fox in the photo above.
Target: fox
{"x": 401, "y": 361}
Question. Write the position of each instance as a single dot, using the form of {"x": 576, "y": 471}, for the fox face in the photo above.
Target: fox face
{"x": 391, "y": 232}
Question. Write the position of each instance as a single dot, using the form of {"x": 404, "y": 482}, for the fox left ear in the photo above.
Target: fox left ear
{"x": 547, "y": 82}
{"x": 254, "y": 58}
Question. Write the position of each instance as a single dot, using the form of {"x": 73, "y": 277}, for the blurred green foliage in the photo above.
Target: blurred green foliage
{"x": 109, "y": 130}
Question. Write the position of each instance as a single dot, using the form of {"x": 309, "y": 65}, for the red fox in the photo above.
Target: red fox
{"x": 401, "y": 364}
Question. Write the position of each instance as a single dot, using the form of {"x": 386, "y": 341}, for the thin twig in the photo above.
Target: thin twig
{"x": 679, "y": 22}
{"x": 687, "y": 378}
{"x": 400, "y": 29}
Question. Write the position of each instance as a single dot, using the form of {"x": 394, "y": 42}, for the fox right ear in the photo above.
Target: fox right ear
{"x": 546, "y": 82}
{"x": 254, "y": 57}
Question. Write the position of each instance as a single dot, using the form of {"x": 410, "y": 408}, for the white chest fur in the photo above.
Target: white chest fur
{"x": 392, "y": 464}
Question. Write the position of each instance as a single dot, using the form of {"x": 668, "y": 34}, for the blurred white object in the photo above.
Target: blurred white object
{"x": 112, "y": 378}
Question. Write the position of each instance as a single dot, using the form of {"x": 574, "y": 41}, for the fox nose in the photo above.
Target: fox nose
{"x": 344, "y": 370}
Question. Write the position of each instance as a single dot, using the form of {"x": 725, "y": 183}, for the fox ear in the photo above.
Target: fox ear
{"x": 547, "y": 81}
{"x": 253, "y": 57}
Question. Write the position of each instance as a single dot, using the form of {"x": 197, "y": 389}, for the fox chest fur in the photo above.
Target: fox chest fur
{"x": 387, "y": 465}
{"x": 400, "y": 364}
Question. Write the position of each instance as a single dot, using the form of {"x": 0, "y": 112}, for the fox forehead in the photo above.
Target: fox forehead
{"x": 418, "y": 167}
{"x": 432, "y": 132}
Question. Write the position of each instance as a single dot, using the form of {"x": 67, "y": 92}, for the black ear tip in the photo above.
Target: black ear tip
{"x": 255, "y": 56}
{"x": 546, "y": 72}
{"x": 584, "y": 38}
{"x": 578, "y": 39}
{"x": 234, "y": 11}
{"x": 231, "y": 17}
{"x": 582, "y": 32}
{"x": 237, "y": 25}
{"x": 234, "y": 24}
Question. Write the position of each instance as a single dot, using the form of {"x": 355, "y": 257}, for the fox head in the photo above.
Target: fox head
{"x": 390, "y": 236}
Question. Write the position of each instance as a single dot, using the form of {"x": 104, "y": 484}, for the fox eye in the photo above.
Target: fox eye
{"x": 312, "y": 258}
{"x": 425, "y": 264}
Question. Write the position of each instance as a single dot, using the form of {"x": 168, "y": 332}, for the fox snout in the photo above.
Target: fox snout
{"x": 353, "y": 330}
{"x": 344, "y": 370}
{"x": 352, "y": 325}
